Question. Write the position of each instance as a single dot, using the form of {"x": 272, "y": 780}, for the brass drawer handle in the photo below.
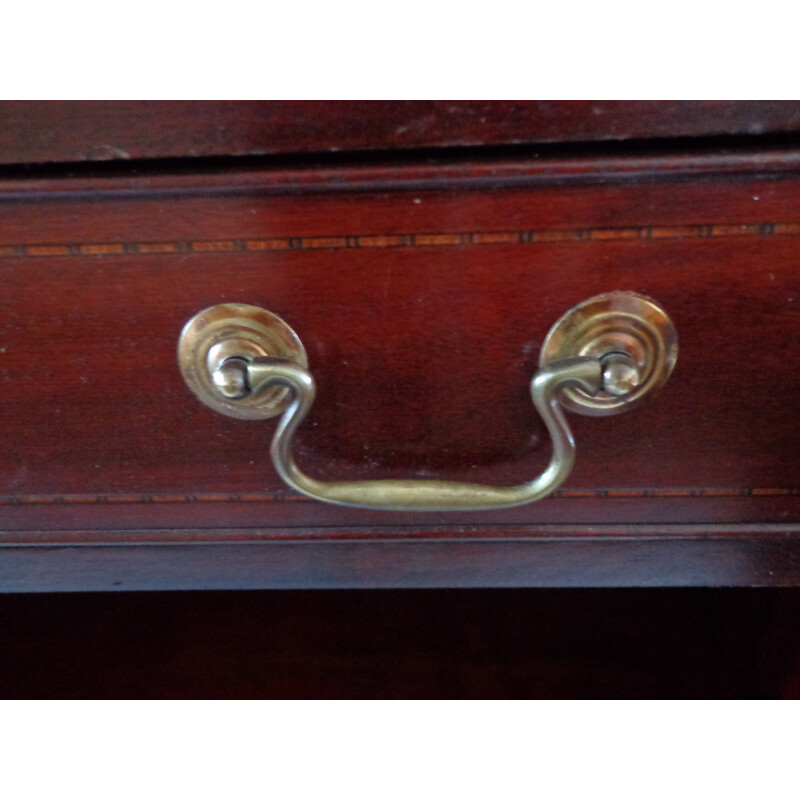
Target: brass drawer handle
{"x": 600, "y": 358}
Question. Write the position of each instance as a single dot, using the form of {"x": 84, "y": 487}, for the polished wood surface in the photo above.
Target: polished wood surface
{"x": 123, "y": 130}
{"x": 422, "y": 340}
{"x": 422, "y": 292}
{"x": 395, "y": 558}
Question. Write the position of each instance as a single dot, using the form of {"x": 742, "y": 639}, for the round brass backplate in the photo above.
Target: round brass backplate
{"x": 242, "y": 331}
{"x": 617, "y": 322}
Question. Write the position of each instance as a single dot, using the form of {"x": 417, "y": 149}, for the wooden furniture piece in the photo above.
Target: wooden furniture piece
{"x": 422, "y": 264}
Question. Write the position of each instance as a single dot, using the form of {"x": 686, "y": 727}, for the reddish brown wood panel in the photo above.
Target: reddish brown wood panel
{"x": 104, "y": 130}
{"x": 416, "y": 346}
{"x": 392, "y": 561}
{"x": 423, "y": 309}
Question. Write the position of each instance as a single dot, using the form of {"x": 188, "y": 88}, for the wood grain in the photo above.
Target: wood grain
{"x": 65, "y": 131}
{"x": 422, "y": 307}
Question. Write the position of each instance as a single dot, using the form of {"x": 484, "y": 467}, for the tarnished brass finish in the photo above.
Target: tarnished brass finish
{"x": 216, "y": 338}
{"x": 600, "y": 358}
{"x": 427, "y": 495}
{"x": 634, "y": 338}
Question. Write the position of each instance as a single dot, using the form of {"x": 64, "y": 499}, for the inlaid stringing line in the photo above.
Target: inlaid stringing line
{"x": 405, "y": 240}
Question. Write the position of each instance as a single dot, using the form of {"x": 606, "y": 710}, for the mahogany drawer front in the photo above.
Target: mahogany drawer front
{"x": 422, "y": 295}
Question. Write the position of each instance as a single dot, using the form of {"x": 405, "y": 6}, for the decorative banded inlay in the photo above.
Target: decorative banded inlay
{"x": 561, "y": 494}
{"x": 405, "y": 240}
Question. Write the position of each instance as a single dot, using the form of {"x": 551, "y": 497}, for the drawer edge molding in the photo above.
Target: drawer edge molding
{"x": 756, "y": 560}
{"x": 465, "y": 175}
